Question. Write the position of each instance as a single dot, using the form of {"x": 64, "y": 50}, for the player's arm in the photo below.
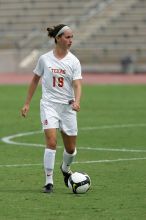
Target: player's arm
{"x": 77, "y": 91}
{"x": 31, "y": 90}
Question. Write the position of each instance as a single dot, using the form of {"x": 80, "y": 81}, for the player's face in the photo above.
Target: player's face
{"x": 65, "y": 40}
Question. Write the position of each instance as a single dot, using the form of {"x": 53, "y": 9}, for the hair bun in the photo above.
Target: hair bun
{"x": 50, "y": 32}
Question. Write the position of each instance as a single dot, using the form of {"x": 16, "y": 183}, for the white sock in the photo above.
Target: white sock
{"x": 67, "y": 160}
{"x": 49, "y": 161}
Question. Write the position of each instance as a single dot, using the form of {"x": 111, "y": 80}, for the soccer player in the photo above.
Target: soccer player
{"x": 61, "y": 93}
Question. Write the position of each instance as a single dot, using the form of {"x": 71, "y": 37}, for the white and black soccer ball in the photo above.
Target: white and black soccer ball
{"x": 79, "y": 182}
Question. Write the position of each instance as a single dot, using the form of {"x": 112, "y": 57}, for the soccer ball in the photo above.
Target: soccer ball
{"x": 79, "y": 182}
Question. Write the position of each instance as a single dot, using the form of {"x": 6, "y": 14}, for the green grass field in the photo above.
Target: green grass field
{"x": 111, "y": 149}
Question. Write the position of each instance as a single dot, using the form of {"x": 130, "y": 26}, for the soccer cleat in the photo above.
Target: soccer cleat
{"x": 48, "y": 188}
{"x": 66, "y": 175}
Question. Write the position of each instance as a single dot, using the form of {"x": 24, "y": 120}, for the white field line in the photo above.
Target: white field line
{"x": 21, "y": 165}
{"x": 110, "y": 161}
{"x": 77, "y": 162}
{"x": 113, "y": 126}
{"x": 112, "y": 149}
{"x": 9, "y": 140}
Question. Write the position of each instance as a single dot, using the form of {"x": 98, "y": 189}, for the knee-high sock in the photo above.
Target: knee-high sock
{"x": 67, "y": 160}
{"x": 49, "y": 161}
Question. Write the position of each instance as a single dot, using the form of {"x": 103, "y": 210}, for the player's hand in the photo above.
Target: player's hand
{"x": 25, "y": 110}
{"x": 76, "y": 106}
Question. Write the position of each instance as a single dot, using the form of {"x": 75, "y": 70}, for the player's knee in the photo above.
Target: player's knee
{"x": 72, "y": 151}
{"x": 51, "y": 143}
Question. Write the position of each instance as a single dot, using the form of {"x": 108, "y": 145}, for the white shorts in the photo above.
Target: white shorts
{"x": 56, "y": 115}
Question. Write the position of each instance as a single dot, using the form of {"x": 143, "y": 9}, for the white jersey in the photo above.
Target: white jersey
{"x": 57, "y": 76}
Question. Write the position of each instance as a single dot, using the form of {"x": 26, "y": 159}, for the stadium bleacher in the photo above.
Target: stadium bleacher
{"x": 106, "y": 31}
{"x": 117, "y": 32}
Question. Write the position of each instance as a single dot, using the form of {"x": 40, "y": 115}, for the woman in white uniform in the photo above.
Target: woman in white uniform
{"x": 61, "y": 93}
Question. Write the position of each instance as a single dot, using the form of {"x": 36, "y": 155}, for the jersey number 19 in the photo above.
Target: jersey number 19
{"x": 58, "y": 81}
